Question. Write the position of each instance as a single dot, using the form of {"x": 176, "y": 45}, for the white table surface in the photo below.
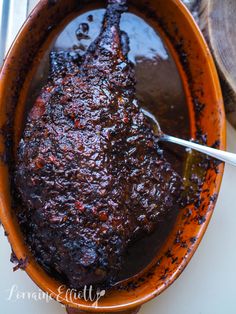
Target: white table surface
{"x": 207, "y": 286}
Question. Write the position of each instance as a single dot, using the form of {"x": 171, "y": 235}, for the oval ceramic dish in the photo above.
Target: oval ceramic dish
{"x": 204, "y": 100}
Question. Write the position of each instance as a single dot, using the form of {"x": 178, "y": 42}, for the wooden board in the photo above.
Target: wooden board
{"x": 217, "y": 20}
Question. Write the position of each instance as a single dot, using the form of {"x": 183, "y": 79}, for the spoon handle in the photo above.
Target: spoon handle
{"x": 227, "y": 157}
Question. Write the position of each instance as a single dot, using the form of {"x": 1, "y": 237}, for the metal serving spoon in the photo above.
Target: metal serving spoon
{"x": 227, "y": 157}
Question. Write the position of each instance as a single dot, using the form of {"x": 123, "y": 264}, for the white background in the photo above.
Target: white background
{"x": 207, "y": 286}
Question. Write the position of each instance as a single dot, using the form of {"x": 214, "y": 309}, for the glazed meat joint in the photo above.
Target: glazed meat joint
{"x": 90, "y": 172}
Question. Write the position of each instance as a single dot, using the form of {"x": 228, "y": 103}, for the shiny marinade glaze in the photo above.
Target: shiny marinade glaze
{"x": 90, "y": 171}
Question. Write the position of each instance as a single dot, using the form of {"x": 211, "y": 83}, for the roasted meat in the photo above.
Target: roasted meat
{"x": 90, "y": 174}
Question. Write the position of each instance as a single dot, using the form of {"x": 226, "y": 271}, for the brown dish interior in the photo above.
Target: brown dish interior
{"x": 207, "y": 125}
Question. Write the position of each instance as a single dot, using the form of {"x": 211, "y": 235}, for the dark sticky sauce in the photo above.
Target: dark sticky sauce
{"x": 159, "y": 90}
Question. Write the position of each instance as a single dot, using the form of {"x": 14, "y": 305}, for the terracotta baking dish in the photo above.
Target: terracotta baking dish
{"x": 202, "y": 90}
